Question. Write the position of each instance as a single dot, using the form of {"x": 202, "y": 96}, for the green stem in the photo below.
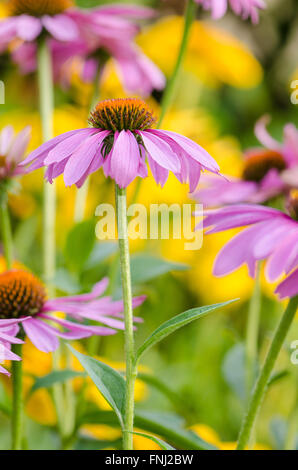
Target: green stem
{"x": 262, "y": 382}
{"x": 290, "y": 440}
{"x": 17, "y": 409}
{"x": 6, "y": 235}
{"x": 46, "y": 101}
{"x": 128, "y": 317}
{"x": 169, "y": 92}
{"x": 252, "y": 332}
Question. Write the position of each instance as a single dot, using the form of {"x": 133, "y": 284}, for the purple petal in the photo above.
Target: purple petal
{"x": 160, "y": 152}
{"x": 61, "y": 27}
{"x": 81, "y": 159}
{"x": 28, "y": 27}
{"x": 19, "y": 145}
{"x": 124, "y": 159}
{"x": 6, "y": 137}
{"x": 283, "y": 256}
{"x": 68, "y": 146}
{"x": 289, "y": 287}
{"x": 40, "y": 335}
{"x": 263, "y": 136}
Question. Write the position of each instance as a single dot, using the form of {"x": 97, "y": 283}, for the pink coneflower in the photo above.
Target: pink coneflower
{"x": 23, "y": 301}
{"x": 8, "y": 331}
{"x": 29, "y": 18}
{"x": 12, "y": 151}
{"x": 101, "y": 33}
{"x": 267, "y": 173}
{"x": 121, "y": 137}
{"x": 271, "y": 235}
{"x": 244, "y": 8}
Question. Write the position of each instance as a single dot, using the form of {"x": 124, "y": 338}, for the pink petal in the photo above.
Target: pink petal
{"x": 124, "y": 159}
{"x": 160, "y": 152}
{"x": 6, "y": 137}
{"x": 41, "y": 337}
{"x": 68, "y": 146}
{"x": 61, "y": 27}
{"x": 28, "y": 27}
{"x": 289, "y": 287}
{"x": 263, "y": 136}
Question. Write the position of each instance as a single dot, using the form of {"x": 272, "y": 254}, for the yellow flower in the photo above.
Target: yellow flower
{"x": 209, "y": 435}
{"x": 214, "y": 56}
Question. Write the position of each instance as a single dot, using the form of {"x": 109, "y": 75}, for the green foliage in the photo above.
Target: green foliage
{"x": 79, "y": 245}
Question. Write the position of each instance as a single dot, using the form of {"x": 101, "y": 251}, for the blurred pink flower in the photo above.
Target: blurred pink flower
{"x": 272, "y": 235}
{"x": 33, "y": 308}
{"x": 8, "y": 331}
{"x": 267, "y": 172}
{"x": 101, "y": 33}
{"x": 12, "y": 151}
{"x": 119, "y": 141}
{"x": 244, "y": 8}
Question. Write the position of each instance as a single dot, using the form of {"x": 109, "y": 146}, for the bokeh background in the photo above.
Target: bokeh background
{"x": 233, "y": 74}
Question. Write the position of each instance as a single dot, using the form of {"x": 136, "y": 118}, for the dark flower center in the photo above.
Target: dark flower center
{"x": 260, "y": 162}
{"x": 38, "y": 7}
{"x": 122, "y": 114}
{"x": 21, "y": 294}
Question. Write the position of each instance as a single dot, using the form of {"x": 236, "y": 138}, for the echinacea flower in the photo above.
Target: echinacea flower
{"x": 121, "y": 136}
{"x": 30, "y": 18}
{"x": 271, "y": 235}
{"x": 8, "y": 331}
{"x": 267, "y": 172}
{"x": 23, "y": 301}
{"x": 12, "y": 151}
{"x": 95, "y": 35}
{"x": 244, "y": 8}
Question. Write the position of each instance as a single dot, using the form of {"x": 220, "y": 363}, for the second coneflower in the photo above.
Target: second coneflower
{"x": 121, "y": 136}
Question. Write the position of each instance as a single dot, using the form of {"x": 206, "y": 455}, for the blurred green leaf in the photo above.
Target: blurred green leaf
{"x": 145, "y": 267}
{"x": 5, "y": 401}
{"x": 101, "y": 252}
{"x": 25, "y": 237}
{"x": 79, "y": 245}
{"x": 58, "y": 376}
{"x": 233, "y": 370}
{"x": 164, "y": 445}
{"x": 175, "y": 323}
{"x": 108, "y": 381}
{"x": 65, "y": 282}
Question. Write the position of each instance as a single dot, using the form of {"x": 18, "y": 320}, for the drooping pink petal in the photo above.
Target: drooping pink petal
{"x": 28, "y": 27}
{"x": 124, "y": 159}
{"x": 289, "y": 287}
{"x": 283, "y": 256}
{"x": 40, "y": 336}
{"x": 263, "y": 136}
{"x": 19, "y": 145}
{"x": 160, "y": 152}
{"x": 6, "y": 138}
{"x": 81, "y": 159}
{"x": 61, "y": 27}
{"x": 67, "y": 146}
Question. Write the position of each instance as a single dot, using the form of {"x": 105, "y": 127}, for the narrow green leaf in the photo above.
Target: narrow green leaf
{"x": 164, "y": 445}
{"x": 101, "y": 252}
{"x": 175, "y": 323}
{"x": 58, "y": 376}
{"x": 79, "y": 245}
{"x": 109, "y": 382}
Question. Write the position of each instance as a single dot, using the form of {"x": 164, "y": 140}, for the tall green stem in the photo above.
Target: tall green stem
{"x": 17, "y": 372}
{"x": 17, "y": 409}
{"x": 128, "y": 316}
{"x": 169, "y": 92}
{"x": 6, "y": 234}
{"x": 46, "y": 102}
{"x": 262, "y": 382}
{"x": 252, "y": 332}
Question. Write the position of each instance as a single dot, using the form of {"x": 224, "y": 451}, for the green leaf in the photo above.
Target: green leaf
{"x": 65, "y": 282}
{"x": 175, "y": 323}
{"x": 5, "y": 401}
{"x": 101, "y": 252}
{"x": 167, "y": 425}
{"x": 145, "y": 267}
{"x": 24, "y": 237}
{"x": 58, "y": 376}
{"x": 109, "y": 382}
{"x": 234, "y": 370}
{"x": 79, "y": 245}
{"x": 277, "y": 376}
{"x": 164, "y": 445}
